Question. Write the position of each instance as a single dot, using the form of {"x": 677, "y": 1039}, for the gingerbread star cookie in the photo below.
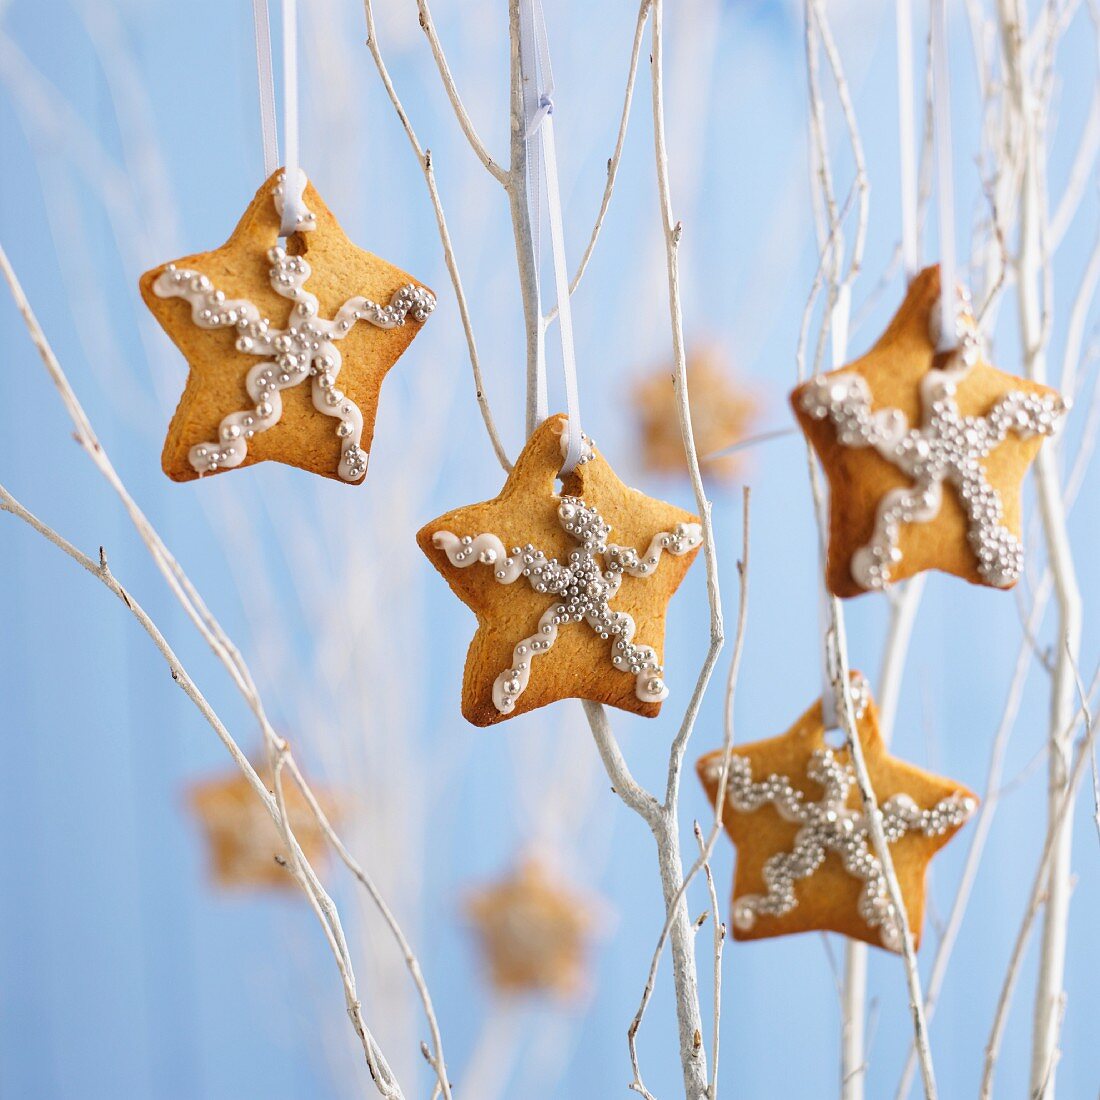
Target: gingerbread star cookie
{"x": 287, "y": 347}
{"x": 533, "y": 932}
{"x": 925, "y": 453}
{"x": 243, "y": 843}
{"x": 805, "y": 858}
{"x": 570, "y": 591}
{"x": 722, "y": 414}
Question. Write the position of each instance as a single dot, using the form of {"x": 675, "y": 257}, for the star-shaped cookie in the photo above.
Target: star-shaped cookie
{"x": 805, "y": 859}
{"x": 242, "y": 840}
{"x": 570, "y": 591}
{"x": 287, "y": 347}
{"x": 533, "y": 932}
{"x": 722, "y": 413}
{"x": 925, "y": 454}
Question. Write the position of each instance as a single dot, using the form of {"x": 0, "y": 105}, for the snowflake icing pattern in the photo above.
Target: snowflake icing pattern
{"x": 585, "y": 588}
{"x": 828, "y": 825}
{"x": 946, "y": 447}
{"x": 306, "y": 348}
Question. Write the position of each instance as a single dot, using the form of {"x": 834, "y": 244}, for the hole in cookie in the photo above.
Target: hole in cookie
{"x": 297, "y": 244}
{"x": 835, "y": 738}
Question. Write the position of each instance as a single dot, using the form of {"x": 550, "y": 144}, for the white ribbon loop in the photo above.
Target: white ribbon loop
{"x": 292, "y": 208}
{"x": 542, "y": 170}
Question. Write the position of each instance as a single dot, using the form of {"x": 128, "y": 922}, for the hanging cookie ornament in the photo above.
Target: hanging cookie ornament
{"x": 805, "y": 858}
{"x": 287, "y": 344}
{"x": 245, "y": 847}
{"x": 925, "y": 453}
{"x": 570, "y": 591}
{"x": 723, "y": 411}
{"x": 533, "y": 932}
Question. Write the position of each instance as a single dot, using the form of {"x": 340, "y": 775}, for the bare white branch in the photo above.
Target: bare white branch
{"x": 424, "y": 159}
{"x": 1039, "y": 889}
{"x": 616, "y": 156}
{"x": 464, "y": 120}
{"x": 1028, "y": 100}
{"x": 707, "y": 848}
{"x": 302, "y": 871}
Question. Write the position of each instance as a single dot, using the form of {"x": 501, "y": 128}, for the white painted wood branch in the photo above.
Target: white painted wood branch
{"x": 837, "y": 280}
{"x": 661, "y": 816}
{"x": 1028, "y": 100}
{"x": 229, "y": 655}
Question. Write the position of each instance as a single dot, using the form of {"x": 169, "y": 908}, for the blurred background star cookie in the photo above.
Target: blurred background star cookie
{"x": 724, "y": 412}
{"x": 243, "y": 843}
{"x": 287, "y": 346}
{"x": 533, "y": 931}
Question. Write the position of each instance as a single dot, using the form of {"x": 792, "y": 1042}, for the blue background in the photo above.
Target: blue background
{"x": 129, "y": 135}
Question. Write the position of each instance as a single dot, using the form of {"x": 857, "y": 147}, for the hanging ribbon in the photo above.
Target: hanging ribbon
{"x": 941, "y": 132}
{"x": 542, "y": 171}
{"x": 268, "y": 128}
{"x": 262, "y": 23}
{"x": 292, "y": 189}
{"x": 910, "y": 251}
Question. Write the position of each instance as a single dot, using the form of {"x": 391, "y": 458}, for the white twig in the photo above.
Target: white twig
{"x": 302, "y": 871}
{"x": 516, "y": 187}
{"x": 623, "y": 783}
{"x": 424, "y": 159}
{"x": 716, "y": 977}
{"x": 854, "y": 1059}
{"x": 616, "y": 156}
{"x": 1028, "y": 102}
{"x": 831, "y": 265}
{"x": 464, "y": 120}
{"x": 882, "y": 848}
{"x": 434, "y": 1056}
{"x": 1081, "y": 174}
{"x": 716, "y": 827}
{"x": 982, "y": 824}
{"x": 1039, "y": 888}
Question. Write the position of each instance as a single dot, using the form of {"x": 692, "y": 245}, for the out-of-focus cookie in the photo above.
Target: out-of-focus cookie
{"x": 244, "y": 845}
{"x": 805, "y": 858}
{"x": 287, "y": 346}
{"x": 723, "y": 412}
{"x": 925, "y": 453}
{"x": 533, "y": 932}
{"x": 570, "y": 591}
